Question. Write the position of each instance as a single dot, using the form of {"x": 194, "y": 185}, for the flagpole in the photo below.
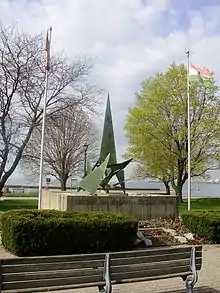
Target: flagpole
{"x": 188, "y": 132}
{"x": 43, "y": 125}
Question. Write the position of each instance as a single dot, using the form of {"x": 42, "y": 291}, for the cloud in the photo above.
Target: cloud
{"x": 129, "y": 40}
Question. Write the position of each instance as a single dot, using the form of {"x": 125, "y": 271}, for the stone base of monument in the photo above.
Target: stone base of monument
{"x": 142, "y": 207}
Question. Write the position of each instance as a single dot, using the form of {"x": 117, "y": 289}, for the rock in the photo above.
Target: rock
{"x": 137, "y": 241}
{"x": 146, "y": 241}
{"x": 189, "y": 236}
{"x": 181, "y": 239}
{"x": 171, "y": 231}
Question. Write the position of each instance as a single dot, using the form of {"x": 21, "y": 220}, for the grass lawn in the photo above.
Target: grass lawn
{"x": 17, "y": 194}
{"x": 199, "y": 204}
{"x": 9, "y": 204}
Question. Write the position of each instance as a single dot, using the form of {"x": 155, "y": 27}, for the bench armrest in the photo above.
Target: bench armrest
{"x": 107, "y": 288}
{"x": 192, "y": 278}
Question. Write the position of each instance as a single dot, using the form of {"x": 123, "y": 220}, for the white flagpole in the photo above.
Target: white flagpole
{"x": 189, "y": 132}
{"x": 43, "y": 124}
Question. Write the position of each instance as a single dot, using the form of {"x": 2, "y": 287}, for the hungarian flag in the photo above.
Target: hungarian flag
{"x": 47, "y": 49}
{"x": 199, "y": 74}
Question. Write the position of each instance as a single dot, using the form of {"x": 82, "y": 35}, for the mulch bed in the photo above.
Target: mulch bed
{"x": 160, "y": 237}
{"x": 153, "y": 230}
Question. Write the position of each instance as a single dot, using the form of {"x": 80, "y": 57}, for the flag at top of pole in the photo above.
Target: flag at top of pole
{"x": 200, "y": 74}
{"x": 47, "y": 48}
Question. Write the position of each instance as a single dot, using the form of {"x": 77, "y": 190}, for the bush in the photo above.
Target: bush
{"x": 204, "y": 224}
{"x": 50, "y": 232}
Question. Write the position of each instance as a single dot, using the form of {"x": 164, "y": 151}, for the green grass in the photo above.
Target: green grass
{"x": 9, "y": 204}
{"x": 18, "y": 194}
{"x": 201, "y": 204}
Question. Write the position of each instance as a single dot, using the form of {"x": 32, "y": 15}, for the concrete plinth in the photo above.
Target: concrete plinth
{"x": 142, "y": 207}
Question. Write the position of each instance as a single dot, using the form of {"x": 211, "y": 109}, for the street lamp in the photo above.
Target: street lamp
{"x": 85, "y": 148}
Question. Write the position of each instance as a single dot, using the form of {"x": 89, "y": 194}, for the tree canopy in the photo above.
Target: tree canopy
{"x": 156, "y": 127}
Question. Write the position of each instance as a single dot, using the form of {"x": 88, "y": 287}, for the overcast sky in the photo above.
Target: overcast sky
{"x": 129, "y": 40}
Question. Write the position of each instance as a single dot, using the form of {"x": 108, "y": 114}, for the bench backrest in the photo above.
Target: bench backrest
{"x": 36, "y": 274}
{"x": 154, "y": 264}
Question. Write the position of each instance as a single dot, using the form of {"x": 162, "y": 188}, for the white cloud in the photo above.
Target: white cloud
{"x": 125, "y": 38}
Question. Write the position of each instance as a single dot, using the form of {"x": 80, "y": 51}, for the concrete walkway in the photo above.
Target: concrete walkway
{"x": 209, "y": 279}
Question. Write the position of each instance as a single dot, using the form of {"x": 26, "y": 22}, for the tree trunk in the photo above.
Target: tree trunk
{"x": 179, "y": 192}
{"x": 1, "y": 189}
{"x": 167, "y": 186}
{"x": 63, "y": 181}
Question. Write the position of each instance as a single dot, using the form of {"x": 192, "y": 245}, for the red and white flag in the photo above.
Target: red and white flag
{"x": 47, "y": 48}
{"x": 200, "y": 74}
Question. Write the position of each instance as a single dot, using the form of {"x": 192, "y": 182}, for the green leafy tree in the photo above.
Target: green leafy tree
{"x": 156, "y": 127}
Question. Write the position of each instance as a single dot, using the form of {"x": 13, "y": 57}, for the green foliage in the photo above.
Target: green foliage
{"x": 204, "y": 224}
{"x": 50, "y": 232}
{"x": 156, "y": 127}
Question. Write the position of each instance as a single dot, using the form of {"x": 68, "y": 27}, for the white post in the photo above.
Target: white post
{"x": 189, "y": 132}
{"x": 43, "y": 131}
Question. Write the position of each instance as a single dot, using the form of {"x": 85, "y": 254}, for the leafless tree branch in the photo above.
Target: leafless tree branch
{"x": 22, "y": 80}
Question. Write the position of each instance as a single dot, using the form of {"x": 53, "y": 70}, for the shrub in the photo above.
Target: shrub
{"x": 50, "y": 232}
{"x": 204, "y": 224}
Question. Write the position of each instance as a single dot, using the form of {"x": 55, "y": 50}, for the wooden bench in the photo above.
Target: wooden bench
{"x": 41, "y": 274}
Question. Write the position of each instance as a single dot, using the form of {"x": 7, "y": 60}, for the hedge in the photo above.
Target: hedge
{"x": 205, "y": 224}
{"x": 50, "y": 232}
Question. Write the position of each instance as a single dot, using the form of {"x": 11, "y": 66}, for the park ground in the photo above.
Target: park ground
{"x": 208, "y": 282}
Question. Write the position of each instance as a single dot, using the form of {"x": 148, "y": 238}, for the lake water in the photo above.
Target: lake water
{"x": 199, "y": 189}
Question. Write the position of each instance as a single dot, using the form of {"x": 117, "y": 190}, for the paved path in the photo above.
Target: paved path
{"x": 209, "y": 279}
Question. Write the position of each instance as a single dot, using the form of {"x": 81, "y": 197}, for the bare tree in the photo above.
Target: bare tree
{"x": 22, "y": 79}
{"x": 66, "y": 133}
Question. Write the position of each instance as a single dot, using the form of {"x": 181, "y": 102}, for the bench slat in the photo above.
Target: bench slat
{"x": 52, "y": 282}
{"x": 154, "y": 251}
{"x": 51, "y": 274}
{"x": 52, "y": 266}
{"x": 53, "y": 259}
{"x": 53, "y": 288}
{"x": 151, "y": 273}
{"x": 163, "y": 266}
{"x": 157, "y": 258}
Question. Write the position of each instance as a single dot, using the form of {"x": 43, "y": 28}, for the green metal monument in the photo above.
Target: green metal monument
{"x": 106, "y": 167}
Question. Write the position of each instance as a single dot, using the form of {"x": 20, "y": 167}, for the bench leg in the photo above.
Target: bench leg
{"x": 192, "y": 279}
{"x": 189, "y": 284}
{"x": 107, "y": 288}
{"x": 101, "y": 288}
